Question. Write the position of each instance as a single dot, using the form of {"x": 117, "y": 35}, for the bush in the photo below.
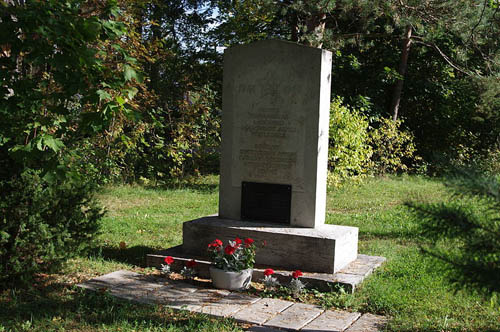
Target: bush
{"x": 56, "y": 90}
{"x": 393, "y": 148}
{"x": 348, "y": 152}
{"x": 42, "y": 223}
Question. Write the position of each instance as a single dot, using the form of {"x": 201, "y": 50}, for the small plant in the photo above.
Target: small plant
{"x": 296, "y": 286}
{"x": 188, "y": 271}
{"x": 269, "y": 281}
{"x": 238, "y": 255}
{"x": 165, "y": 268}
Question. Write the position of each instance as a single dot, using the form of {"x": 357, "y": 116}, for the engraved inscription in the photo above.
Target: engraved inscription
{"x": 268, "y": 145}
{"x": 247, "y": 88}
{"x": 268, "y": 156}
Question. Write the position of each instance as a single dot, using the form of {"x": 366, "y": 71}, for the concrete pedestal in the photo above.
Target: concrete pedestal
{"x": 325, "y": 249}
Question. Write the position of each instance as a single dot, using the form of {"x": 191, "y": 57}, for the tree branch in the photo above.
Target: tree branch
{"x": 419, "y": 40}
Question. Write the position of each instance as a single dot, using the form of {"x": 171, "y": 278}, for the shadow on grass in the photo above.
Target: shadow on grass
{"x": 59, "y": 307}
{"x": 134, "y": 255}
{"x": 466, "y": 237}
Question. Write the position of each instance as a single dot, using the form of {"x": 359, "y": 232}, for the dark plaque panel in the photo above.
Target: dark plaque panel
{"x": 266, "y": 202}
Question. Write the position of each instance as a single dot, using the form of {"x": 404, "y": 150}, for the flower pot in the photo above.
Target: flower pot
{"x": 231, "y": 280}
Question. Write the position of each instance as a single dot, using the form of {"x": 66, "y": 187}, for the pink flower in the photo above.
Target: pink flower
{"x": 296, "y": 274}
{"x": 268, "y": 272}
{"x": 192, "y": 263}
{"x": 229, "y": 250}
{"x": 169, "y": 260}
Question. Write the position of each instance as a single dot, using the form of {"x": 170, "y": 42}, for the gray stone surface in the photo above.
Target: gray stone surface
{"x": 363, "y": 265}
{"x": 258, "y": 328}
{"x": 295, "y": 317}
{"x": 122, "y": 279}
{"x": 111, "y": 279}
{"x": 194, "y": 301}
{"x": 332, "y": 320}
{"x": 276, "y": 98}
{"x": 273, "y": 313}
{"x": 229, "y": 305}
{"x": 327, "y": 248}
{"x": 261, "y": 311}
{"x": 368, "y": 323}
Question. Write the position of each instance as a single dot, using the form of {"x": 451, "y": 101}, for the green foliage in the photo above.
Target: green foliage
{"x": 348, "y": 152}
{"x": 465, "y": 232}
{"x": 57, "y": 90}
{"x": 176, "y": 130}
{"x": 393, "y": 148}
{"x": 42, "y": 224}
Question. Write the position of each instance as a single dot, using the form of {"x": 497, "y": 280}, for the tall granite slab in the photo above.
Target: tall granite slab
{"x": 276, "y": 98}
{"x": 275, "y": 120}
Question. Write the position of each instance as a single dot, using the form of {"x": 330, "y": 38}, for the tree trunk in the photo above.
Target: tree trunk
{"x": 316, "y": 27}
{"x": 398, "y": 88}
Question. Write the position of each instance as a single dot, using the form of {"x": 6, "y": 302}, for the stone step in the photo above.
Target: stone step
{"x": 269, "y": 314}
{"x": 348, "y": 278}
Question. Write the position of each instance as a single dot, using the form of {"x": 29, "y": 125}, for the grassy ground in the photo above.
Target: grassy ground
{"x": 411, "y": 288}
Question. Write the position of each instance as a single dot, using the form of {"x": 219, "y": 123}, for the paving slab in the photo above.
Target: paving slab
{"x": 368, "y": 323}
{"x": 193, "y": 301}
{"x": 169, "y": 294}
{"x": 363, "y": 265}
{"x": 258, "y": 328}
{"x": 229, "y": 305}
{"x": 261, "y": 311}
{"x": 272, "y": 315}
{"x": 116, "y": 278}
{"x": 333, "y": 321}
{"x": 137, "y": 294}
{"x": 295, "y": 317}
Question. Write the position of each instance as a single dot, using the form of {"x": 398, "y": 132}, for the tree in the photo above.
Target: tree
{"x": 55, "y": 90}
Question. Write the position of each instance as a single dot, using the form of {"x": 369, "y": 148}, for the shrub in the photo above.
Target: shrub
{"x": 393, "y": 148}
{"x": 56, "y": 90}
{"x": 348, "y": 152}
{"x": 42, "y": 223}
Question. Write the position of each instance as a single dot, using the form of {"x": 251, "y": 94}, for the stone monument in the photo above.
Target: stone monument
{"x": 275, "y": 119}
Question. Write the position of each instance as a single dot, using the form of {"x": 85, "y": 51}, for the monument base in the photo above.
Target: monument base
{"x": 325, "y": 249}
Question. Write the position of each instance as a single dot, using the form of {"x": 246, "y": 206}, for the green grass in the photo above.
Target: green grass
{"x": 411, "y": 288}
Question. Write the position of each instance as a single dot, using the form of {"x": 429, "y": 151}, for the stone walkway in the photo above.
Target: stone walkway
{"x": 267, "y": 315}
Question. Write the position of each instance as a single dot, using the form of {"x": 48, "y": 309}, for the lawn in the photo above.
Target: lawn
{"x": 411, "y": 287}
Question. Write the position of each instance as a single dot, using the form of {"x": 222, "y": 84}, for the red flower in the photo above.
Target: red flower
{"x": 296, "y": 274}
{"x": 268, "y": 272}
{"x": 248, "y": 242}
{"x": 216, "y": 244}
{"x": 192, "y": 263}
{"x": 238, "y": 241}
{"x": 169, "y": 260}
{"x": 229, "y": 250}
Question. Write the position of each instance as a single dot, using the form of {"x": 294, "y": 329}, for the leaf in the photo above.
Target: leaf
{"x": 131, "y": 93}
{"x": 54, "y": 143}
{"x": 103, "y": 95}
{"x": 129, "y": 73}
